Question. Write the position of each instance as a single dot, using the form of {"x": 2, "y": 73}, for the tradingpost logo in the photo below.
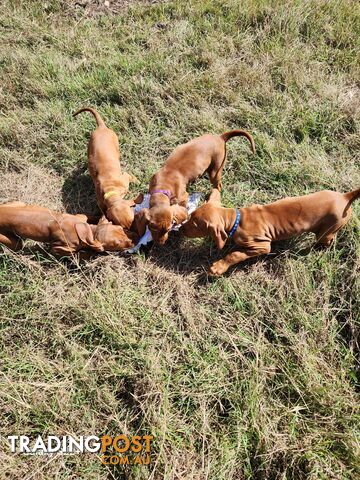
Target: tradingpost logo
{"x": 120, "y": 449}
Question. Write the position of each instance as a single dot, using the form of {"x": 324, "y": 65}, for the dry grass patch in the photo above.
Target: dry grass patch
{"x": 32, "y": 184}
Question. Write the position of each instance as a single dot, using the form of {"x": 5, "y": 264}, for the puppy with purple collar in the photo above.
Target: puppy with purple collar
{"x": 168, "y": 186}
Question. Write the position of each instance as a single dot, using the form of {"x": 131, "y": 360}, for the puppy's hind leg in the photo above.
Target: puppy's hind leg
{"x": 12, "y": 242}
{"x": 216, "y": 168}
{"x": 324, "y": 240}
{"x": 325, "y": 234}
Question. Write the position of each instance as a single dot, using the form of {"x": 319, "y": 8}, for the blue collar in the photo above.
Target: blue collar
{"x": 236, "y": 224}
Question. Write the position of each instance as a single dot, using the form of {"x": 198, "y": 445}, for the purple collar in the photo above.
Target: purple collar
{"x": 164, "y": 192}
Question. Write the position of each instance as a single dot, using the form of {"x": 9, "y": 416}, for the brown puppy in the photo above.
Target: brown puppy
{"x": 111, "y": 184}
{"x": 254, "y": 228}
{"x": 66, "y": 233}
{"x": 168, "y": 186}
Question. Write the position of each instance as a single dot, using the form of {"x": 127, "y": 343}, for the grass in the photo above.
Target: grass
{"x": 249, "y": 376}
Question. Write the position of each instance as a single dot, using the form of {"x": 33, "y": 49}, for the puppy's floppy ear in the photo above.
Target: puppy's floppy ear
{"x": 215, "y": 196}
{"x": 218, "y": 234}
{"x": 141, "y": 220}
{"x": 87, "y": 237}
{"x": 180, "y": 214}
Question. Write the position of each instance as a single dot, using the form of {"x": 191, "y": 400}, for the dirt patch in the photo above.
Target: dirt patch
{"x": 32, "y": 184}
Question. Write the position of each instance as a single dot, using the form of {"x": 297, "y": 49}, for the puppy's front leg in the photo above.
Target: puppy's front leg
{"x": 221, "y": 266}
{"x": 183, "y": 201}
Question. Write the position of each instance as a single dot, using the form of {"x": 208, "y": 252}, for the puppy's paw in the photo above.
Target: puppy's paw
{"x": 218, "y": 268}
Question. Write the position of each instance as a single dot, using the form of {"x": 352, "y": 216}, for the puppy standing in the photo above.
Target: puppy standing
{"x": 168, "y": 186}
{"x": 111, "y": 184}
{"x": 254, "y": 228}
{"x": 67, "y": 234}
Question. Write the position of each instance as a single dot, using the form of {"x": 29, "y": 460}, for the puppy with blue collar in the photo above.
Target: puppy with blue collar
{"x": 253, "y": 228}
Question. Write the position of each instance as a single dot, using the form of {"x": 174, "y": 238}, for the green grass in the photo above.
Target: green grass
{"x": 252, "y": 375}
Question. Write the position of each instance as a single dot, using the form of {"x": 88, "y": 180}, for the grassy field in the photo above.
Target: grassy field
{"x": 249, "y": 376}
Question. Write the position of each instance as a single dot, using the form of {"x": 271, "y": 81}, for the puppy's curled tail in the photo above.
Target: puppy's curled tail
{"x": 352, "y": 196}
{"x": 239, "y": 133}
{"x": 100, "y": 122}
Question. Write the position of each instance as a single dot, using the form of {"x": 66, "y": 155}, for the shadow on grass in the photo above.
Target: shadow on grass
{"x": 78, "y": 193}
{"x": 179, "y": 255}
{"x": 186, "y": 256}
{"x": 209, "y": 254}
{"x": 40, "y": 255}
{"x": 182, "y": 255}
